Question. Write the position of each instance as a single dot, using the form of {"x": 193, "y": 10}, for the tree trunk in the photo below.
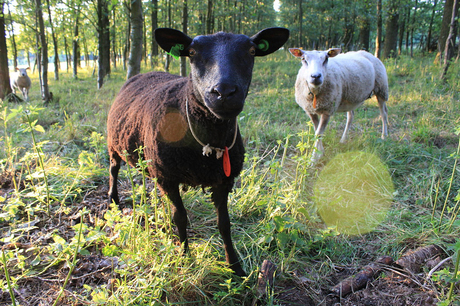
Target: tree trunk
{"x": 430, "y": 28}
{"x": 55, "y": 44}
{"x": 412, "y": 30}
{"x": 450, "y": 42}
{"x": 154, "y": 46}
{"x": 135, "y": 55}
{"x": 126, "y": 48}
{"x": 13, "y": 41}
{"x": 183, "y": 59}
{"x": 209, "y": 18}
{"x": 114, "y": 38}
{"x": 67, "y": 54}
{"x": 445, "y": 27}
{"x": 300, "y": 22}
{"x": 103, "y": 30}
{"x": 75, "y": 46}
{"x": 391, "y": 32}
{"x": 364, "y": 34}
{"x": 5, "y": 87}
{"x": 43, "y": 54}
{"x": 378, "y": 39}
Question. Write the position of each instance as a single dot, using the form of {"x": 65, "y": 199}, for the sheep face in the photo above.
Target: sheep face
{"x": 22, "y": 71}
{"x": 314, "y": 66}
{"x": 221, "y": 64}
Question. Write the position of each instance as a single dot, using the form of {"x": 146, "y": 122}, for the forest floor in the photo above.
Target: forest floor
{"x": 377, "y": 284}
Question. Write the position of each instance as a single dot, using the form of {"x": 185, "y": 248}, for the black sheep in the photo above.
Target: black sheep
{"x": 188, "y": 125}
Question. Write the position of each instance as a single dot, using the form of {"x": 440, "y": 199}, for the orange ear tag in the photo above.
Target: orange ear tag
{"x": 227, "y": 166}
{"x": 314, "y": 101}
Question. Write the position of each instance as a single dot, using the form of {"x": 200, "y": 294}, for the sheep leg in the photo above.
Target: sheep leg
{"x": 179, "y": 213}
{"x": 220, "y": 197}
{"x": 350, "y": 116}
{"x": 315, "y": 119}
{"x": 384, "y": 114}
{"x": 319, "y": 134}
{"x": 115, "y": 163}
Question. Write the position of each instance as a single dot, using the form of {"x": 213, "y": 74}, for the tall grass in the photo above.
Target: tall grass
{"x": 273, "y": 206}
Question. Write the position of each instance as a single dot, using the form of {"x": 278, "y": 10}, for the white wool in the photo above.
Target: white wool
{"x": 20, "y": 80}
{"x": 330, "y": 82}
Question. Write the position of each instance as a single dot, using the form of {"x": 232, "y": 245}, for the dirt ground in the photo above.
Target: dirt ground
{"x": 382, "y": 284}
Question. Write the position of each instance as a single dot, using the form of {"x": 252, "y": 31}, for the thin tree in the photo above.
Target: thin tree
{"x": 450, "y": 42}
{"x": 183, "y": 59}
{"x": 135, "y": 55}
{"x": 13, "y": 42}
{"x": 444, "y": 31}
{"x": 430, "y": 27}
{"x": 378, "y": 39}
{"x": 43, "y": 50}
{"x": 5, "y": 87}
{"x": 55, "y": 44}
{"x": 75, "y": 44}
{"x": 154, "y": 46}
{"x": 391, "y": 30}
{"x": 103, "y": 31}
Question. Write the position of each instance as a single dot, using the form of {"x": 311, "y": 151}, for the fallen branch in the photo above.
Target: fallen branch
{"x": 412, "y": 261}
{"x": 361, "y": 279}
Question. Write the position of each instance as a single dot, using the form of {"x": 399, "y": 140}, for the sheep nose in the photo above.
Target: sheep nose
{"x": 224, "y": 90}
{"x": 316, "y": 76}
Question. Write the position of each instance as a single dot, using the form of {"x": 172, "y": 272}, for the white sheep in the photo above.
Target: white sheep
{"x": 330, "y": 82}
{"x": 21, "y": 81}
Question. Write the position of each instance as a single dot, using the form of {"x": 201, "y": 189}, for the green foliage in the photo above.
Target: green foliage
{"x": 273, "y": 208}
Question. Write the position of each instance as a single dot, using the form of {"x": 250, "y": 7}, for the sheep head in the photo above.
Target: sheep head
{"x": 22, "y": 71}
{"x": 314, "y": 66}
{"x": 221, "y": 64}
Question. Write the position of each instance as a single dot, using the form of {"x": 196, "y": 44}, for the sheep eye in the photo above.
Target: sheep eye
{"x": 304, "y": 60}
{"x": 191, "y": 52}
{"x": 252, "y": 51}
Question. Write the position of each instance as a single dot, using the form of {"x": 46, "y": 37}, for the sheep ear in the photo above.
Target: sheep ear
{"x": 17, "y": 68}
{"x": 333, "y": 52}
{"x": 270, "y": 40}
{"x": 28, "y": 68}
{"x": 173, "y": 41}
{"x": 296, "y": 52}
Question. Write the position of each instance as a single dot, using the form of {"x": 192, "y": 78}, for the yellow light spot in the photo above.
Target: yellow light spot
{"x": 354, "y": 192}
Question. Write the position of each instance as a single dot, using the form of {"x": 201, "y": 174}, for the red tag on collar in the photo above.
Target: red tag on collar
{"x": 227, "y": 166}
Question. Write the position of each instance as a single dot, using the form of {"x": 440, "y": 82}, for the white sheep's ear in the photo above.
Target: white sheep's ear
{"x": 296, "y": 52}
{"x": 333, "y": 52}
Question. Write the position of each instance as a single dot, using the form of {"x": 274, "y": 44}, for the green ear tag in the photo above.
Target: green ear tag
{"x": 263, "y": 45}
{"x": 175, "y": 51}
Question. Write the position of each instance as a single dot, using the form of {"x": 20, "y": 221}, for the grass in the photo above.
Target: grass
{"x": 272, "y": 209}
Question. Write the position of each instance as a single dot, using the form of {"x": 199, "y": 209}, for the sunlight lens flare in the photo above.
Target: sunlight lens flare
{"x": 354, "y": 192}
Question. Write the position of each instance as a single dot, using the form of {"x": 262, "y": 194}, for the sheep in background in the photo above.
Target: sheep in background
{"x": 188, "y": 125}
{"x": 21, "y": 81}
{"x": 330, "y": 82}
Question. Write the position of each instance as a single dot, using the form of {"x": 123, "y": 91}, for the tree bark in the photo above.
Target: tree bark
{"x": 13, "y": 42}
{"x": 5, "y": 87}
{"x": 154, "y": 46}
{"x": 183, "y": 59}
{"x": 412, "y": 29}
{"x": 75, "y": 45}
{"x": 209, "y": 18}
{"x": 391, "y": 29}
{"x": 103, "y": 31}
{"x": 135, "y": 55}
{"x": 378, "y": 39}
{"x": 450, "y": 42}
{"x": 430, "y": 28}
{"x": 55, "y": 44}
{"x": 445, "y": 27}
{"x": 43, "y": 53}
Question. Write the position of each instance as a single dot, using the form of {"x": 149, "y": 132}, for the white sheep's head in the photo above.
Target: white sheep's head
{"x": 314, "y": 65}
{"x": 22, "y": 71}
